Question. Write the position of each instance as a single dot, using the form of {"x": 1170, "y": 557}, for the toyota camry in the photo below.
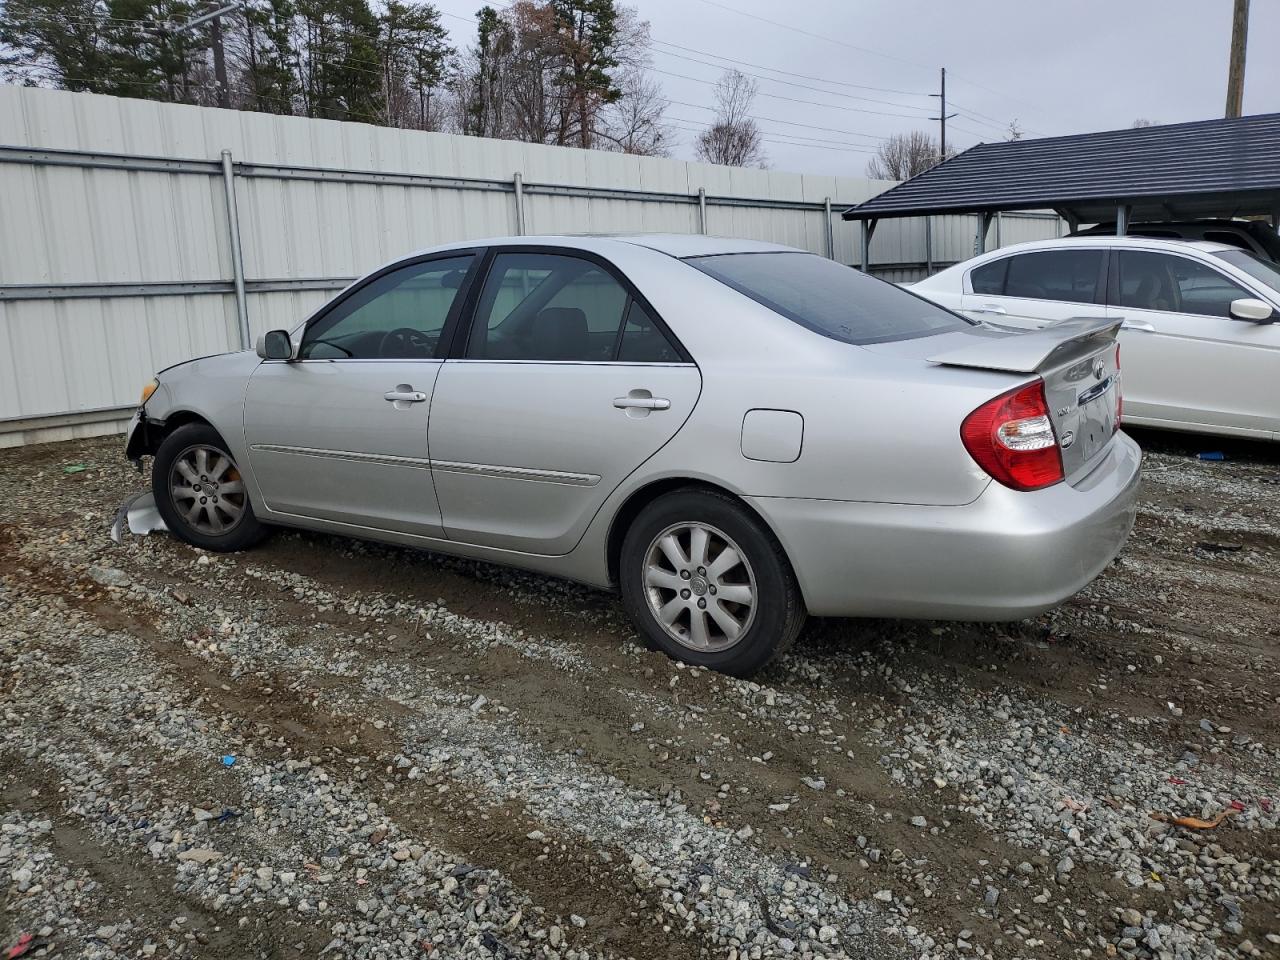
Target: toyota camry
{"x": 731, "y": 434}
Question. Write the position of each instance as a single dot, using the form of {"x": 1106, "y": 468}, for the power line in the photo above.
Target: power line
{"x": 789, "y": 123}
{"x": 875, "y": 53}
{"x": 790, "y": 83}
{"x": 812, "y": 103}
{"x": 789, "y": 73}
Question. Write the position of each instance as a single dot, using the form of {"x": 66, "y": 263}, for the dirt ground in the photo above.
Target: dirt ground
{"x": 325, "y": 746}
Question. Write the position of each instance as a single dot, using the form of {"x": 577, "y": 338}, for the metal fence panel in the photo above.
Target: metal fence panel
{"x": 116, "y": 254}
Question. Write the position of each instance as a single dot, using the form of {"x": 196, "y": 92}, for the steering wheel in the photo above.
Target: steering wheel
{"x": 405, "y": 342}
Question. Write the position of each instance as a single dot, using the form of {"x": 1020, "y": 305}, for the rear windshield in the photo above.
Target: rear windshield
{"x": 831, "y": 299}
{"x": 1265, "y": 270}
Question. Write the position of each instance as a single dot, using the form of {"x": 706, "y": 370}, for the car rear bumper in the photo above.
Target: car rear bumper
{"x": 1006, "y": 556}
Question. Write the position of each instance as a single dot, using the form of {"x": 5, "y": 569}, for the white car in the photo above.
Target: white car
{"x": 1200, "y": 346}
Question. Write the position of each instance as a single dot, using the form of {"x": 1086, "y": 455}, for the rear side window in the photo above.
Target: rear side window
{"x": 1069, "y": 275}
{"x": 989, "y": 278}
{"x": 831, "y": 299}
{"x": 552, "y": 307}
{"x": 1229, "y": 238}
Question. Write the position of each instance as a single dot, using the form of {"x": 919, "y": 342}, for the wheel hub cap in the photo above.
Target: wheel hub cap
{"x": 207, "y": 490}
{"x": 700, "y": 586}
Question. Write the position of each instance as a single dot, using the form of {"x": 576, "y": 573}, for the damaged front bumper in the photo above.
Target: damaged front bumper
{"x": 138, "y": 514}
{"x": 136, "y": 444}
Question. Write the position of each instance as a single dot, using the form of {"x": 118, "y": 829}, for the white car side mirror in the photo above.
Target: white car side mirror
{"x": 1248, "y": 308}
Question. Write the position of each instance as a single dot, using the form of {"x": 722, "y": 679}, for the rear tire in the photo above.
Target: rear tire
{"x": 201, "y": 493}
{"x": 706, "y": 583}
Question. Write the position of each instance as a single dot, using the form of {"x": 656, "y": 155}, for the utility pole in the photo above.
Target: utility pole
{"x": 220, "y": 63}
{"x": 219, "y": 53}
{"x": 942, "y": 118}
{"x": 1235, "y": 72}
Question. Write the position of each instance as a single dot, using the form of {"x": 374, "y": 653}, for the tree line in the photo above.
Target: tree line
{"x": 563, "y": 72}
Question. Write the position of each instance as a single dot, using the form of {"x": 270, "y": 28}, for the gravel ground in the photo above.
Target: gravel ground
{"x": 329, "y": 747}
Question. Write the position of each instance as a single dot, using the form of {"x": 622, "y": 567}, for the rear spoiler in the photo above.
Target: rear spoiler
{"x": 1037, "y": 349}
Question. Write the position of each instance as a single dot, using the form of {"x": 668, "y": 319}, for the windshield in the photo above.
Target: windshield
{"x": 1266, "y": 271}
{"x": 831, "y": 299}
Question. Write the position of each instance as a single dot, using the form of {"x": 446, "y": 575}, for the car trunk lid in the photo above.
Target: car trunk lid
{"x": 1079, "y": 363}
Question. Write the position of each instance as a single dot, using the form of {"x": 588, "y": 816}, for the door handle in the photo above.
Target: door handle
{"x": 1138, "y": 325}
{"x": 404, "y": 396}
{"x": 989, "y": 308}
{"x": 642, "y": 403}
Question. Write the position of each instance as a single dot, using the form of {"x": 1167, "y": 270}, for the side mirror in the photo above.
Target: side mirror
{"x": 1247, "y": 308}
{"x": 275, "y": 345}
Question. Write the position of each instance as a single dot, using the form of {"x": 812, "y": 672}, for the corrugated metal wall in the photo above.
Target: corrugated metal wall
{"x": 115, "y": 241}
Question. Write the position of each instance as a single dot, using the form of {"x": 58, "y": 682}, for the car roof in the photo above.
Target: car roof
{"x": 1137, "y": 243}
{"x": 672, "y": 244}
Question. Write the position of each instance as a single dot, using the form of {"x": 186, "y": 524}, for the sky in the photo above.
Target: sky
{"x": 842, "y": 76}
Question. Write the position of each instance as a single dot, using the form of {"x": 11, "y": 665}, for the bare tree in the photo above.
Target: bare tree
{"x": 635, "y": 122}
{"x": 904, "y": 155}
{"x": 1013, "y": 131}
{"x": 1141, "y": 122}
{"x": 734, "y": 138}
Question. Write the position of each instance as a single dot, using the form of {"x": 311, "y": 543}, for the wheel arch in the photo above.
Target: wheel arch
{"x": 640, "y": 498}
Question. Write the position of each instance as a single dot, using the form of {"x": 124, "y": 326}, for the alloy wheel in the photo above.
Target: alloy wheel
{"x": 700, "y": 586}
{"x": 207, "y": 490}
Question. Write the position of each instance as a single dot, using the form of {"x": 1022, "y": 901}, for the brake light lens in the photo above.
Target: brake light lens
{"x": 1012, "y": 438}
{"x": 1119, "y": 391}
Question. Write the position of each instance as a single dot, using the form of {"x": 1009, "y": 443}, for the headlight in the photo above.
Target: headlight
{"x": 147, "y": 391}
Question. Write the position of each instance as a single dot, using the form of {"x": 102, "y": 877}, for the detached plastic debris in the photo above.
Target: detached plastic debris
{"x": 1212, "y": 455}
{"x": 138, "y": 514}
{"x": 74, "y": 468}
{"x": 1194, "y": 823}
{"x": 229, "y": 760}
{"x": 25, "y": 942}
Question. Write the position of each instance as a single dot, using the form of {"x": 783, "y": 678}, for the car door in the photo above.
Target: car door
{"x": 1027, "y": 291}
{"x": 340, "y": 433}
{"x": 565, "y": 384}
{"x": 1186, "y": 360}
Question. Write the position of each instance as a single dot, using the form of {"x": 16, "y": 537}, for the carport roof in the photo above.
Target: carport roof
{"x": 1210, "y": 168}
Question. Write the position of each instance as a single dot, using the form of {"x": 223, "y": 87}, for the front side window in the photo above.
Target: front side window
{"x": 1160, "y": 281}
{"x": 1067, "y": 275}
{"x": 1266, "y": 271}
{"x": 398, "y": 316}
{"x": 551, "y": 307}
{"x": 831, "y": 299}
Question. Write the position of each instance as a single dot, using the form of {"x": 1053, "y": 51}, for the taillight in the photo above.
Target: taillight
{"x": 1012, "y": 439}
{"x": 1119, "y": 392}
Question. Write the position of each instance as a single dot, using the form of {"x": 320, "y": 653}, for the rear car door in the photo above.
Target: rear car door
{"x": 1186, "y": 360}
{"x": 340, "y": 433}
{"x": 1027, "y": 291}
{"x": 566, "y": 383}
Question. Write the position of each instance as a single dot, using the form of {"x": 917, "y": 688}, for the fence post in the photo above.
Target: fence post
{"x": 237, "y": 255}
{"x": 702, "y": 209}
{"x": 928, "y": 246}
{"x": 831, "y": 237}
{"x": 518, "y": 182}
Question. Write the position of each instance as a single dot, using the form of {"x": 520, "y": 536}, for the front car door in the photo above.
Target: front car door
{"x": 565, "y": 384}
{"x": 1027, "y": 291}
{"x": 1186, "y": 361}
{"x": 340, "y": 433}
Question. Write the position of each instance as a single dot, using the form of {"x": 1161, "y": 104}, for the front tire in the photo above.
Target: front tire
{"x": 200, "y": 491}
{"x": 706, "y": 583}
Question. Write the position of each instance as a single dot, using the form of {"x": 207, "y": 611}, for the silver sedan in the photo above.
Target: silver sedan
{"x": 732, "y": 434}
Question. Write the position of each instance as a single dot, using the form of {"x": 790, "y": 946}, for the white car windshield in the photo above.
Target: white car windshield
{"x": 1265, "y": 271}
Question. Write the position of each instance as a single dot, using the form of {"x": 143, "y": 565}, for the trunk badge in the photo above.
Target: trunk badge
{"x": 1098, "y": 368}
{"x": 1068, "y": 439}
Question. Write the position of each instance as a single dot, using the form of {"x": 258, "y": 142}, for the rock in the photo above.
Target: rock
{"x": 109, "y": 576}
{"x": 200, "y": 855}
{"x": 919, "y": 822}
{"x": 884, "y": 896}
{"x": 1131, "y": 917}
{"x": 992, "y": 897}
